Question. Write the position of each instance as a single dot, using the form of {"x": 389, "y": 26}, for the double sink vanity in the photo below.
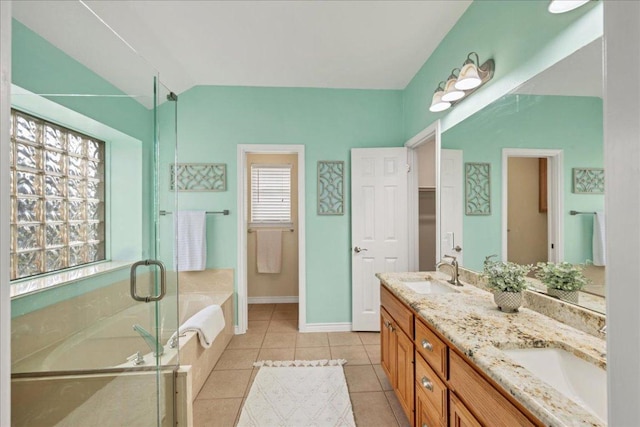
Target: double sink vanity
{"x": 454, "y": 359}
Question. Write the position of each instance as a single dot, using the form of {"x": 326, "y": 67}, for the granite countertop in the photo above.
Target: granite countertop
{"x": 470, "y": 320}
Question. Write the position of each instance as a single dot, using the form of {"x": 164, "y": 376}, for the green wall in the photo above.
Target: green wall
{"x": 573, "y": 124}
{"x": 42, "y": 69}
{"x": 212, "y": 121}
{"x": 521, "y": 36}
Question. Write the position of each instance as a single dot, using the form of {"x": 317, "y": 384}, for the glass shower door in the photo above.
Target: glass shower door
{"x": 84, "y": 352}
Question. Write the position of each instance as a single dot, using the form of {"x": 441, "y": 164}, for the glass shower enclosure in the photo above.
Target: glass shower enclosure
{"x": 94, "y": 300}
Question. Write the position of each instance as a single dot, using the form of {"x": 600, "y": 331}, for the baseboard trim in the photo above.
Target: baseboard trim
{"x": 272, "y": 300}
{"x": 327, "y": 327}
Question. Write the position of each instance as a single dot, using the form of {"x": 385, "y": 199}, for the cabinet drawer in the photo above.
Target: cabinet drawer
{"x": 489, "y": 406}
{"x": 432, "y": 348}
{"x": 401, "y": 314}
{"x": 431, "y": 396}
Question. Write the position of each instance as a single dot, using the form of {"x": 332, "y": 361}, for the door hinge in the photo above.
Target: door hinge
{"x": 408, "y": 168}
{"x": 552, "y": 246}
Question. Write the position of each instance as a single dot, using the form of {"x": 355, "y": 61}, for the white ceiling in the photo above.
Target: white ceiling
{"x": 579, "y": 74}
{"x": 325, "y": 44}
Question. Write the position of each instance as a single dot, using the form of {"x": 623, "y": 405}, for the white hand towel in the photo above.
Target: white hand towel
{"x": 269, "y": 248}
{"x": 190, "y": 251}
{"x": 207, "y": 323}
{"x": 599, "y": 239}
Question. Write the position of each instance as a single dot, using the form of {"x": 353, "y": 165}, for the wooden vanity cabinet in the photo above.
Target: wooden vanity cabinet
{"x": 432, "y": 396}
{"x": 397, "y": 361}
{"x": 488, "y": 404}
{"x": 436, "y": 386}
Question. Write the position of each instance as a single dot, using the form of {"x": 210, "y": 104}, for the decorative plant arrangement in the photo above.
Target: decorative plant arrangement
{"x": 507, "y": 280}
{"x": 563, "y": 280}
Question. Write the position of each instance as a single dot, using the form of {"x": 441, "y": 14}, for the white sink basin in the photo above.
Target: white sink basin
{"x": 577, "y": 379}
{"x": 429, "y": 287}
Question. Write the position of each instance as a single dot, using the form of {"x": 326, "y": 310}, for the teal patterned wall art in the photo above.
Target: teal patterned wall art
{"x": 198, "y": 177}
{"x": 477, "y": 188}
{"x": 588, "y": 180}
{"x": 330, "y": 187}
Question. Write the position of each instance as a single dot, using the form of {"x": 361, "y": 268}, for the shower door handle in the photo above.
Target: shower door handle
{"x": 163, "y": 281}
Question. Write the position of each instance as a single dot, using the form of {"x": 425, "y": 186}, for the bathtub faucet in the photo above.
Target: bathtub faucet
{"x": 152, "y": 342}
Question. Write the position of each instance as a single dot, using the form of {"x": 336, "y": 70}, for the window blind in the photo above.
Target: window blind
{"x": 270, "y": 194}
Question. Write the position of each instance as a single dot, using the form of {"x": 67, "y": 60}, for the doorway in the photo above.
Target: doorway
{"x": 532, "y": 205}
{"x": 271, "y": 245}
{"x": 527, "y": 232}
{"x": 423, "y": 199}
{"x": 426, "y": 156}
{"x": 272, "y": 239}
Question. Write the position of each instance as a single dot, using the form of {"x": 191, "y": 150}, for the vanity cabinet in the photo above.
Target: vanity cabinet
{"x": 488, "y": 404}
{"x": 397, "y": 352}
{"x": 436, "y": 385}
{"x": 432, "y": 396}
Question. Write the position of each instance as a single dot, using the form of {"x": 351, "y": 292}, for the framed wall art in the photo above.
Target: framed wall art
{"x": 477, "y": 188}
{"x": 588, "y": 180}
{"x": 198, "y": 177}
{"x": 330, "y": 187}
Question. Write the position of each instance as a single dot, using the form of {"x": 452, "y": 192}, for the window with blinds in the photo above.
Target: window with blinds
{"x": 57, "y": 197}
{"x": 271, "y": 194}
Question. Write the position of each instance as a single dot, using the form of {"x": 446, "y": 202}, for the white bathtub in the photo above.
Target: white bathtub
{"x": 111, "y": 341}
{"x": 42, "y": 397}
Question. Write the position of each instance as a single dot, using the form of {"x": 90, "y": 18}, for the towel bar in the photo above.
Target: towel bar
{"x": 224, "y": 212}
{"x": 581, "y": 213}
{"x": 253, "y": 230}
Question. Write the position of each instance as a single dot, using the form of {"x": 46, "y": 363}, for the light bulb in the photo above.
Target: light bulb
{"x": 562, "y": 6}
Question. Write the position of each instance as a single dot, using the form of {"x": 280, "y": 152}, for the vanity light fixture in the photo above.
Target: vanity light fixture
{"x": 451, "y": 92}
{"x": 437, "y": 104}
{"x": 562, "y": 6}
{"x": 470, "y": 77}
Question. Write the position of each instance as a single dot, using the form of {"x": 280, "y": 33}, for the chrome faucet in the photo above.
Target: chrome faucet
{"x": 455, "y": 276}
{"x": 174, "y": 340}
{"x": 152, "y": 342}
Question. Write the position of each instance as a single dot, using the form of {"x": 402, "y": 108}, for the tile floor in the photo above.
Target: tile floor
{"x": 272, "y": 335}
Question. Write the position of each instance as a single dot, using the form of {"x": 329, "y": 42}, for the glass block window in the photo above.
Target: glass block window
{"x": 57, "y": 197}
{"x": 270, "y": 194}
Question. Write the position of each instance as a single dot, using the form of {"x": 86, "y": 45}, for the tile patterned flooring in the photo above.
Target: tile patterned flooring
{"x": 272, "y": 335}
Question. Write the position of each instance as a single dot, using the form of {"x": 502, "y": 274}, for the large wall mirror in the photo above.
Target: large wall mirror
{"x": 539, "y": 152}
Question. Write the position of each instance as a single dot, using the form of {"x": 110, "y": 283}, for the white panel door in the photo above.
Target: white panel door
{"x": 379, "y": 227}
{"x": 451, "y": 197}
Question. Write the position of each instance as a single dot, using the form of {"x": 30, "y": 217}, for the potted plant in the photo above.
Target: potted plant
{"x": 563, "y": 280}
{"x": 507, "y": 281}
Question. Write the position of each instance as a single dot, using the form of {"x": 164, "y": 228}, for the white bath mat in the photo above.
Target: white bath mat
{"x": 297, "y": 394}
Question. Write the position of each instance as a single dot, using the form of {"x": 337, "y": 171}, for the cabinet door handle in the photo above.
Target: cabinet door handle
{"x": 427, "y": 345}
{"x": 427, "y": 384}
{"x": 387, "y": 324}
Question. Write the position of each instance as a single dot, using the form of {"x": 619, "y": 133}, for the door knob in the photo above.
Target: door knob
{"x": 457, "y": 248}
{"x": 358, "y": 250}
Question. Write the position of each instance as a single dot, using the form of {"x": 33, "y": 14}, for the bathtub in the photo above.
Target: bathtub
{"x": 106, "y": 346}
{"x": 108, "y": 343}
